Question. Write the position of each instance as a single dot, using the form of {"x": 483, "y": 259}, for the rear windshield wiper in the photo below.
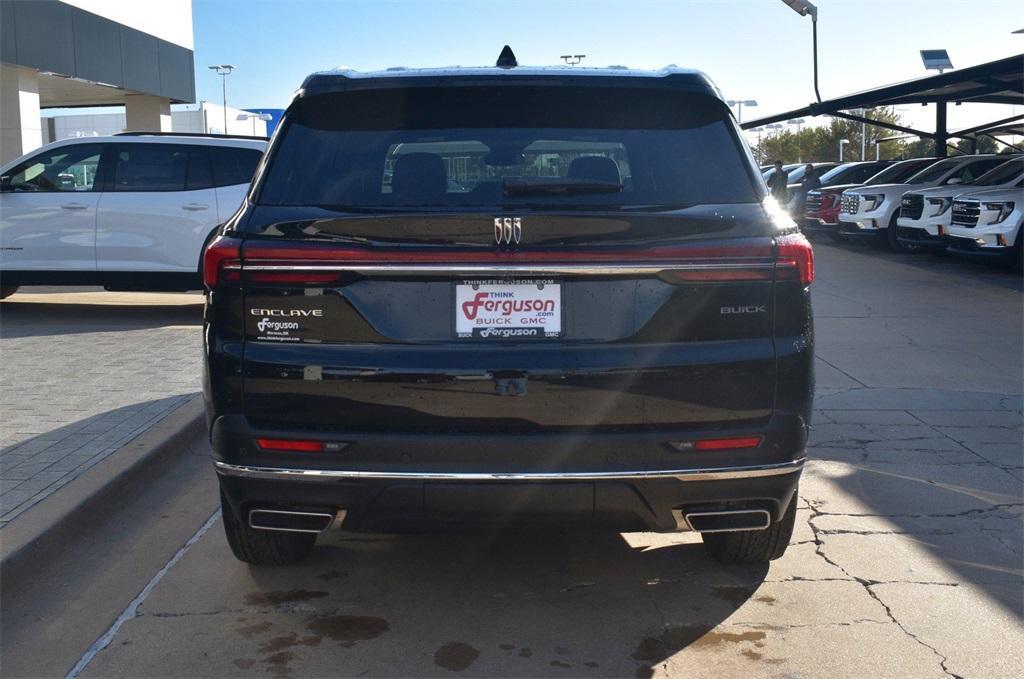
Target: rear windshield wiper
{"x": 525, "y": 187}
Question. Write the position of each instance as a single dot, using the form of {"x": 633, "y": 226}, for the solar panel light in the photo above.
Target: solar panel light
{"x": 936, "y": 60}
{"x": 803, "y": 8}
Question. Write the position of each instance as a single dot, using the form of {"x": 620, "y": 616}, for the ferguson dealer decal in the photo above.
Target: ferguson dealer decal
{"x": 277, "y": 325}
{"x": 497, "y": 309}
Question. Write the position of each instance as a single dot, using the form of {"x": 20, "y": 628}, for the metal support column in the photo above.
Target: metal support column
{"x": 941, "y": 133}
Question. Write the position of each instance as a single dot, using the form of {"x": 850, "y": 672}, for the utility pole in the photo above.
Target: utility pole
{"x": 223, "y": 70}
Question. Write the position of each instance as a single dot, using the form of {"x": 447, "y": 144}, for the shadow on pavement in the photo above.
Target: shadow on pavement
{"x": 40, "y": 319}
{"x": 951, "y": 267}
{"x": 531, "y": 604}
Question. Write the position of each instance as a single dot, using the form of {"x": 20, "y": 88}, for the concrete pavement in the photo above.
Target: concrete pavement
{"x": 83, "y": 373}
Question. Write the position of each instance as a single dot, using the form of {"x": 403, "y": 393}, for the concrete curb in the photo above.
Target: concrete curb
{"x": 40, "y": 534}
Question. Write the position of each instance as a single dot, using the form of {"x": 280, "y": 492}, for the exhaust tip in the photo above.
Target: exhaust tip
{"x": 726, "y": 521}
{"x": 290, "y": 522}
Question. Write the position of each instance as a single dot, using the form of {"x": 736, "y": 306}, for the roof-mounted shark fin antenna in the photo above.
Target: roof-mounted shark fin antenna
{"x": 507, "y": 58}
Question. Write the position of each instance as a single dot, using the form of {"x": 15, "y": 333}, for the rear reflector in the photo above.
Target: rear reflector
{"x": 717, "y": 444}
{"x": 795, "y": 258}
{"x": 728, "y": 444}
{"x": 290, "y": 445}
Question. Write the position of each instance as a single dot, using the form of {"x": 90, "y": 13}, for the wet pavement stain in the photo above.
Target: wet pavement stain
{"x": 243, "y": 663}
{"x": 455, "y": 656}
{"x": 249, "y": 631}
{"x": 348, "y": 629}
{"x": 734, "y": 594}
{"x": 559, "y": 663}
{"x": 718, "y": 638}
{"x": 525, "y": 653}
{"x": 277, "y": 598}
{"x": 332, "y": 575}
{"x": 674, "y": 639}
{"x": 770, "y": 600}
{"x": 287, "y": 641}
{"x": 277, "y": 664}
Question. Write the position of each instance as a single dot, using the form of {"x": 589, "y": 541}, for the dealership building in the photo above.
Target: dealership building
{"x": 87, "y": 53}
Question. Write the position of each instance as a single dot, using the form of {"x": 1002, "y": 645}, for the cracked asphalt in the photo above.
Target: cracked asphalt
{"x": 906, "y": 561}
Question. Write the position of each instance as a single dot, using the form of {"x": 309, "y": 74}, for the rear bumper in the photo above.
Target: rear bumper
{"x": 619, "y": 481}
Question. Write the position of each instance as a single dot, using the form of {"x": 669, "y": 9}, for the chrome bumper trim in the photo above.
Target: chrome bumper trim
{"x": 714, "y": 474}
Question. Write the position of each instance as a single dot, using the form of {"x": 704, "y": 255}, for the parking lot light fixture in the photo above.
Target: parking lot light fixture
{"x": 739, "y": 104}
{"x": 265, "y": 117}
{"x": 803, "y": 8}
{"x": 799, "y": 122}
{"x": 224, "y": 70}
{"x": 842, "y": 143}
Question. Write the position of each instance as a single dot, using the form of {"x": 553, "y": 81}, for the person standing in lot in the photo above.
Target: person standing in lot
{"x": 777, "y": 184}
{"x": 809, "y": 183}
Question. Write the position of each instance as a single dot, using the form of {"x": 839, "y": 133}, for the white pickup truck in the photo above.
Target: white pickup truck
{"x": 871, "y": 211}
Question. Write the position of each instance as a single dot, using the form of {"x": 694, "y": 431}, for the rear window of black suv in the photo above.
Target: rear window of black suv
{"x": 508, "y": 147}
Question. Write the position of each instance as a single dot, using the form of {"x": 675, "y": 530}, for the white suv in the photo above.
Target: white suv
{"x": 987, "y": 224}
{"x": 924, "y": 216}
{"x": 871, "y": 211}
{"x": 128, "y": 212}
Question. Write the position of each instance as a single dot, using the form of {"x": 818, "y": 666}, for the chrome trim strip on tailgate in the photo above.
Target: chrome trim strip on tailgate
{"x": 507, "y": 269}
{"x": 713, "y": 474}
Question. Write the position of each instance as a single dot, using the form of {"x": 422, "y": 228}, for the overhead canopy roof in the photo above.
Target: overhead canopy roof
{"x": 995, "y": 82}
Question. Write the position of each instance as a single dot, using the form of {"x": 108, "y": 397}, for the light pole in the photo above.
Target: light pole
{"x": 803, "y": 8}
{"x": 223, "y": 70}
{"x": 254, "y": 117}
{"x": 842, "y": 143}
{"x": 799, "y": 122}
{"x": 739, "y": 104}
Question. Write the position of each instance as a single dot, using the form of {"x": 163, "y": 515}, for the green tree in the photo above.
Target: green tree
{"x": 985, "y": 145}
{"x": 821, "y": 143}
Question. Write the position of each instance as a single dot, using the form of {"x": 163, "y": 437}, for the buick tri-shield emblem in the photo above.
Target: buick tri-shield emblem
{"x": 508, "y": 230}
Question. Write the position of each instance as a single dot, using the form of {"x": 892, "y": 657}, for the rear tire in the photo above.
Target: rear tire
{"x": 7, "y": 290}
{"x": 753, "y": 546}
{"x": 263, "y": 547}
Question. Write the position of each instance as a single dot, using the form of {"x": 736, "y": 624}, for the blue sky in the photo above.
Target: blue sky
{"x": 753, "y": 49}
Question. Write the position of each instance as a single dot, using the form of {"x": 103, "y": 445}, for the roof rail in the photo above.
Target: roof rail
{"x": 189, "y": 134}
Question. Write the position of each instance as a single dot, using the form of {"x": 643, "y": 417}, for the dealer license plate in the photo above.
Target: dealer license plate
{"x": 508, "y": 309}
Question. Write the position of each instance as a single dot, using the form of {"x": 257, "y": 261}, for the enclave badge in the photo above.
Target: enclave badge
{"x": 508, "y": 230}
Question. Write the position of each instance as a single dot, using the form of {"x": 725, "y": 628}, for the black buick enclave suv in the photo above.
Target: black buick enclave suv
{"x": 507, "y": 294}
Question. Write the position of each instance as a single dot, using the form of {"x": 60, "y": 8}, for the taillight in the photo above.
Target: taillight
{"x": 222, "y": 252}
{"x": 316, "y": 263}
{"x": 795, "y": 258}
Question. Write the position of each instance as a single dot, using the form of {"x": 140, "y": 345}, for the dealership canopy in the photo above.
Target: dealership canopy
{"x": 995, "y": 82}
